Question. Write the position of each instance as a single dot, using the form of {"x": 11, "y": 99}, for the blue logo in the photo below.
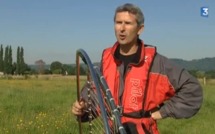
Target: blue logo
{"x": 204, "y": 11}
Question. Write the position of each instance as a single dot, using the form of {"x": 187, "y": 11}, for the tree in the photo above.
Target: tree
{"x": 21, "y": 67}
{"x": 210, "y": 74}
{"x": 10, "y": 61}
{"x": 6, "y": 63}
{"x": 68, "y": 69}
{"x": 56, "y": 67}
{"x": 83, "y": 70}
{"x": 193, "y": 72}
{"x": 200, "y": 74}
{"x": 22, "y": 62}
{"x": 18, "y": 61}
{"x": 40, "y": 66}
{"x": 8, "y": 66}
{"x": 1, "y": 59}
{"x": 6, "y": 60}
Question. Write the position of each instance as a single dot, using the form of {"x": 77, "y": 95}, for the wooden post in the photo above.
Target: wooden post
{"x": 204, "y": 80}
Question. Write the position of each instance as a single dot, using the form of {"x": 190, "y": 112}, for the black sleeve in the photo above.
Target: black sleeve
{"x": 85, "y": 98}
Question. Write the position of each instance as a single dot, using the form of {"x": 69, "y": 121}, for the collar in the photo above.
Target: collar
{"x": 137, "y": 57}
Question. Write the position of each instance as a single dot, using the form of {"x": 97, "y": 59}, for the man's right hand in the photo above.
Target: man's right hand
{"x": 78, "y": 108}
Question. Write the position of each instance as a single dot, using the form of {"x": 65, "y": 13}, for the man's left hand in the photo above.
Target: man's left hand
{"x": 156, "y": 115}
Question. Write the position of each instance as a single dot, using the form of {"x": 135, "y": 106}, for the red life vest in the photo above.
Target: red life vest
{"x": 136, "y": 85}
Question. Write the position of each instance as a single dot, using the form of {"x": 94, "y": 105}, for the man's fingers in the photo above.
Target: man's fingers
{"x": 77, "y": 107}
{"x": 82, "y": 104}
{"x": 77, "y": 111}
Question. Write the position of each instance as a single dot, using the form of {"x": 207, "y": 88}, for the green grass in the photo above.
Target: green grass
{"x": 42, "y": 106}
{"x": 37, "y": 106}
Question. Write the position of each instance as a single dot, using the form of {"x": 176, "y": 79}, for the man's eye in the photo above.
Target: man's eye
{"x": 128, "y": 23}
{"x": 118, "y": 22}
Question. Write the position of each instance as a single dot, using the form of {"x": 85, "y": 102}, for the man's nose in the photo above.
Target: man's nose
{"x": 122, "y": 27}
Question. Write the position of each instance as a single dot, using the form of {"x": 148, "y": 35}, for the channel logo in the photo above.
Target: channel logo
{"x": 204, "y": 11}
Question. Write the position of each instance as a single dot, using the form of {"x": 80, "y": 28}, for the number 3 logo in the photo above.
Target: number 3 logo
{"x": 204, "y": 11}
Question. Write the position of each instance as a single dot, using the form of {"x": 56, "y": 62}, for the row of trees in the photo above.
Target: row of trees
{"x": 203, "y": 74}
{"x": 19, "y": 67}
{"x": 57, "y": 67}
{"x": 7, "y": 66}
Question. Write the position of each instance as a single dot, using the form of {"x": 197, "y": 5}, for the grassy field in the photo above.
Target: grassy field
{"x": 42, "y": 106}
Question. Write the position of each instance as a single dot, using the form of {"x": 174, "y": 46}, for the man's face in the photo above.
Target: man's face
{"x": 126, "y": 28}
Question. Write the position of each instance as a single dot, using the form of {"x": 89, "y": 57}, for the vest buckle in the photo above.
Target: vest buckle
{"x": 120, "y": 109}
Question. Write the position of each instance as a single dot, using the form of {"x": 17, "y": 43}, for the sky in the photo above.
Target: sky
{"x": 53, "y": 30}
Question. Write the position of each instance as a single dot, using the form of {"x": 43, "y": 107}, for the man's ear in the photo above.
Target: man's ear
{"x": 141, "y": 28}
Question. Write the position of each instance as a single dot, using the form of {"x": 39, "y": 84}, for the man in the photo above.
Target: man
{"x": 146, "y": 84}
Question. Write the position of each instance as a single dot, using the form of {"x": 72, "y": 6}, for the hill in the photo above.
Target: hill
{"x": 204, "y": 64}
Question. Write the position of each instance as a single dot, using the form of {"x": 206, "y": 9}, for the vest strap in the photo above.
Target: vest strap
{"x": 142, "y": 113}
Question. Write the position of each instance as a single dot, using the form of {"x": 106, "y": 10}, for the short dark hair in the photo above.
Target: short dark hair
{"x": 133, "y": 9}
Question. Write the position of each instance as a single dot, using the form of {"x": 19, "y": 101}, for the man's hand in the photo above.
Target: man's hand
{"x": 78, "y": 108}
{"x": 156, "y": 115}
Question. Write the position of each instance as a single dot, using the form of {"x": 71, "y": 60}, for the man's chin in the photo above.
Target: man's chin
{"x": 122, "y": 42}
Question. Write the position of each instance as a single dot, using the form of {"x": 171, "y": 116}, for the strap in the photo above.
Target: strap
{"x": 142, "y": 113}
{"x": 147, "y": 83}
{"x": 137, "y": 115}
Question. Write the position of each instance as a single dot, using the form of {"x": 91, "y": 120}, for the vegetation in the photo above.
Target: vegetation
{"x": 36, "y": 106}
{"x": 202, "y": 68}
{"x": 1, "y": 59}
{"x": 20, "y": 64}
{"x": 8, "y": 67}
{"x": 6, "y": 61}
{"x": 204, "y": 64}
{"x": 41, "y": 105}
